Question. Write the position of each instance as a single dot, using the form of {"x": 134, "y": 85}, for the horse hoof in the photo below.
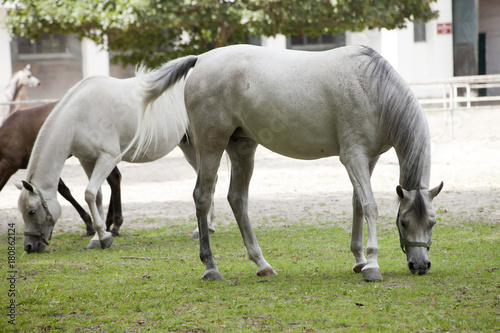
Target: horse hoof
{"x": 357, "y": 268}
{"x": 94, "y": 244}
{"x": 90, "y": 233}
{"x": 105, "y": 243}
{"x": 268, "y": 271}
{"x": 115, "y": 232}
{"x": 372, "y": 275}
{"x": 212, "y": 275}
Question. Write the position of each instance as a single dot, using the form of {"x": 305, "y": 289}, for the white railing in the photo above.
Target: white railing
{"x": 458, "y": 93}
{"x": 33, "y": 101}
{"x": 462, "y": 93}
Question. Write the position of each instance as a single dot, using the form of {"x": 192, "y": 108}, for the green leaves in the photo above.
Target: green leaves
{"x": 160, "y": 30}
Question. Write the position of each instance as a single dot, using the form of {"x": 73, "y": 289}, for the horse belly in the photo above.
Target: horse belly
{"x": 296, "y": 137}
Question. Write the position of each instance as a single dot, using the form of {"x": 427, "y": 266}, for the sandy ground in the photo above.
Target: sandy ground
{"x": 285, "y": 191}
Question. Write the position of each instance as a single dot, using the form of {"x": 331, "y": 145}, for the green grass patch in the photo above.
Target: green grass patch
{"x": 69, "y": 289}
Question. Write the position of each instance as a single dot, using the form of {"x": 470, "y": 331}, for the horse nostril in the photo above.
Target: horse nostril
{"x": 28, "y": 248}
{"x": 40, "y": 247}
{"x": 428, "y": 265}
{"x": 411, "y": 266}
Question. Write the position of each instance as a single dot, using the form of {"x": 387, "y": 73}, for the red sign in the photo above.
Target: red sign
{"x": 444, "y": 28}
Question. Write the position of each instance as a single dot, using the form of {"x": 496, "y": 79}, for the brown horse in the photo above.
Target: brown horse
{"x": 17, "y": 137}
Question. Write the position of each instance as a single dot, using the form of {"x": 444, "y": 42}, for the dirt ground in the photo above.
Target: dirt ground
{"x": 285, "y": 191}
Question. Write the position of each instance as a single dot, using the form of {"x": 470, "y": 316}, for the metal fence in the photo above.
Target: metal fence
{"x": 29, "y": 102}
{"x": 458, "y": 93}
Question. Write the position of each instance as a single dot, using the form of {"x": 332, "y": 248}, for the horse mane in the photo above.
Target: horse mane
{"x": 401, "y": 118}
{"x": 45, "y": 132}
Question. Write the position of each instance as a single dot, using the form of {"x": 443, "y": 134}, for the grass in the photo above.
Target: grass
{"x": 69, "y": 289}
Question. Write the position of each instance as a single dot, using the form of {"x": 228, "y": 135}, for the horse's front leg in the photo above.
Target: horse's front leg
{"x": 358, "y": 167}
{"x": 357, "y": 226}
{"x": 93, "y": 196}
{"x": 203, "y": 197}
{"x": 357, "y": 235}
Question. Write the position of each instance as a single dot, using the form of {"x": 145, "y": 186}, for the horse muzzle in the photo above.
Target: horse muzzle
{"x": 33, "y": 243}
{"x": 36, "y": 241}
{"x": 419, "y": 267}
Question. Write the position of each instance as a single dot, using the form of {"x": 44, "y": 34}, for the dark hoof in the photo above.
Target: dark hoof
{"x": 372, "y": 275}
{"x": 358, "y": 267}
{"x": 90, "y": 233}
{"x": 269, "y": 271}
{"x": 212, "y": 275}
{"x": 94, "y": 244}
{"x": 106, "y": 242}
{"x": 115, "y": 232}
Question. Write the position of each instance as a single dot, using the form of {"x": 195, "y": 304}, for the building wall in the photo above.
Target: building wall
{"x": 414, "y": 60}
{"x": 5, "y": 61}
{"x": 489, "y": 23}
{"x": 57, "y": 72}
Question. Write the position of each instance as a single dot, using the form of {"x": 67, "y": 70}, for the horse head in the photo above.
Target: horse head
{"x": 26, "y": 78}
{"x": 415, "y": 220}
{"x": 40, "y": 213}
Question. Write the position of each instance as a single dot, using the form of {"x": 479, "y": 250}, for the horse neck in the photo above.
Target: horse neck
{"x": 414, "y": 157}
{"x": 13, "y": 88}
{"x": 50, "y": 152}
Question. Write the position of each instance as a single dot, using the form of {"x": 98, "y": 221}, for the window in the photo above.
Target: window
{"x": 56, "y": 46}
{"x": 46, "y": 44}
{"x": 418, "y": 31}
{"x": 317, "y": 43}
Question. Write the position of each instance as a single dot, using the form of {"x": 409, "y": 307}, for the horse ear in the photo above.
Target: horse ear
{"x": 28, "y": 186}
{"x": 400, "y": 192}
{"x": 435, "y": 191}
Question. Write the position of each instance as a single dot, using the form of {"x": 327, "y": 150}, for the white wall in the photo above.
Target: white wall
{"x": 5, "y": 60}
{"x": 415, "y": 61}
{"x": 278, "y": 41}
{"x": 94, "y": 60}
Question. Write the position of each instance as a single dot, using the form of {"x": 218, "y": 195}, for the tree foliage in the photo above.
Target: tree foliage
{"x": 159, "y": 30}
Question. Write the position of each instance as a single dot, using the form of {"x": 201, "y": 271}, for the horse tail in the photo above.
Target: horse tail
{"x": 163, "y": 108}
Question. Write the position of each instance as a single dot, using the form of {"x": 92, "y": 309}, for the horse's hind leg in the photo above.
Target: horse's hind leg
{"x": 190, "y": 155}
{"x": 241, "y": 151}
{"x": 357, "y": 227}
{"x": 66, "y": 194}
{"x": 358, "y": 167}
{"x": 97, "y": 173}
{"x": 114, "y": 217}
{"x": 203, "y": 197}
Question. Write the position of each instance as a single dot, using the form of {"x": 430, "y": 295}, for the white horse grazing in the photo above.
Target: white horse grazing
{"x": 95, "y": 122}
{"x": 346, "y": 102}
{"x": 20, "y": 79}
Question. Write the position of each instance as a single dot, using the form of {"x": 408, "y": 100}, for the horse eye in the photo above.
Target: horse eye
{"x": 432, "y": 223}
{"x": 32, "y": 212}
{"x": 404, "y": 222}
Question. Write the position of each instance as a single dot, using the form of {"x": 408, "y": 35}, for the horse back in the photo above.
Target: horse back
{"x": 299, "y": 104}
